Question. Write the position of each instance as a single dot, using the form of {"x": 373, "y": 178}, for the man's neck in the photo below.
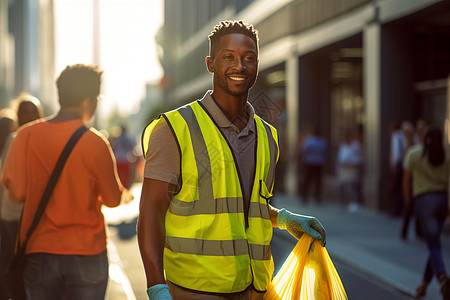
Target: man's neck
{"x": 234, "y": 108}
{"x": 67, "y": 114}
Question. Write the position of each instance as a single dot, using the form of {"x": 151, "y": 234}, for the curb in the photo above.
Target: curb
{"x": 119, "y": 286}
{"x": 379, "y": 267}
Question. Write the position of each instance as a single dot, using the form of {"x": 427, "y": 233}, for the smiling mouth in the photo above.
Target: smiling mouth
{"x": 237, "y": 78}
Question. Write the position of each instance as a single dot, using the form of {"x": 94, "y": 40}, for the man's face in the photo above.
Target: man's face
{"x": 235, "y": 64}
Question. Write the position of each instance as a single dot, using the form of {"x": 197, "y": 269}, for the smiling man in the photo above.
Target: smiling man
{"x": 205, "y": 221}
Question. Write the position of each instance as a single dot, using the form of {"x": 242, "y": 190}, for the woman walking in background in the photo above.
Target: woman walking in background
{"x": 428, "y": 164}
{"x": 348, "y": 167}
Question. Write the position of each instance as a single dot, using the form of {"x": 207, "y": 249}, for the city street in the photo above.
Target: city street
{"x": 357, "y": 285}
{"x": 257, "y": 99}
{"x": 372, "y": 261}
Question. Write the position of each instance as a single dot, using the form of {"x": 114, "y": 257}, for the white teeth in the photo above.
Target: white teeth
{"x": 237, "y": 78}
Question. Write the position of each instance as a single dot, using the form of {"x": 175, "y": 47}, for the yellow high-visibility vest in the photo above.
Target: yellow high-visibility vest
{"x": 209, "y": 245}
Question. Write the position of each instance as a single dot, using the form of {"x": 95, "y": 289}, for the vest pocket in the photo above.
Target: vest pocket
{"x": 264, "y": 191}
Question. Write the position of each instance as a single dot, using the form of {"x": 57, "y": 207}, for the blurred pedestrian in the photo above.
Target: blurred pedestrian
{"x": 27, "y": 108}
{"x": 8, "y": 120}
{"x": 411, "y": 138}
{"x": 7, "y": 126}
{"x": 304, "y": 132}
{"x": 313, "y": 153}
{"x": 428, "y": 165}
{"x": 397, "y": 152}
{"x": 348, "y": 166}
{"x": 123, "y": 146}
{"x": 358, "y": 140}
{"x": 66, "y": 255}
{"x": 421, "y": 128}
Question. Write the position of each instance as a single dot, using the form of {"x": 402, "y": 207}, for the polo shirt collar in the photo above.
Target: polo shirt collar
{"x": 222, "y": 120}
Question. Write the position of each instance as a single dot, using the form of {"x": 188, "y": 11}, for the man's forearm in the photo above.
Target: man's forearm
{"x": 151, "y": 238}
{"x": 151, "y": 228}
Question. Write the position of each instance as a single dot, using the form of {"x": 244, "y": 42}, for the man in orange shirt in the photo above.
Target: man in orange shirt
{"x": 66, "y": 254}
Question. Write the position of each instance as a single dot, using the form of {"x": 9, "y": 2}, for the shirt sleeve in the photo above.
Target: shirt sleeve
{"x": 162, "y": 161}
{"x": 107, "y": 179}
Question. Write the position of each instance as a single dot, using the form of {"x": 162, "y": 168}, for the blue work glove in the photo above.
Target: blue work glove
{"x": 298, "y": 224}
{"x": 159, "y": 292}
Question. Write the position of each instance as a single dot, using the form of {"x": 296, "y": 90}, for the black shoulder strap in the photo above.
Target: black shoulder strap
{"x": 53, "y": 179}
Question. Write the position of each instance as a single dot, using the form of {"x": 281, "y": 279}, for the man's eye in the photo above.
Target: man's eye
{"x": 228, "y": 56}
{"x": 249, "y": 58}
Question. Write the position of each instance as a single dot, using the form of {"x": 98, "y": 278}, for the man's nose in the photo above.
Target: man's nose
{"x": 239, "y": 64}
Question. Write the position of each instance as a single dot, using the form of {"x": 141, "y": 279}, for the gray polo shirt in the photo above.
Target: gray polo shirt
{"x": 162, "y": 161}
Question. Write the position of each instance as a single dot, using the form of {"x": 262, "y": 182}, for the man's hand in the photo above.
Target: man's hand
{"x": 159, "y": 292}
{"x": 126, "y": 197}
{"x": 299, "y": 224}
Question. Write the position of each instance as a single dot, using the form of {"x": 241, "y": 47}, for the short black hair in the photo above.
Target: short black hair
{"x": 433, "y": 147}
{"x": 227, "y": 27}
{"x": 78, "y": 82}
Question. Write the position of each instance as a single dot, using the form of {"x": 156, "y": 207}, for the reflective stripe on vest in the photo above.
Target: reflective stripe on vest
{"x": 206, "y": 235}
{"x": 217, "y": 248}
{"x": 225, "y": 205}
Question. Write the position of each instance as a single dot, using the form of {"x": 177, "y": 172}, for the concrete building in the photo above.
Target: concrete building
{"x": 341, "y": 64}
{"x": 27, "y": 51}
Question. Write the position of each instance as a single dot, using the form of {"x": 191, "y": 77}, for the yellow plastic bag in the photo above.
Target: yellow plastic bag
{"x": 307, "y": 274}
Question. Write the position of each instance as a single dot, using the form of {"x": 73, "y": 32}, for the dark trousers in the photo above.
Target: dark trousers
{"x": 398, "y": 190}
{"x": 312, "y": 179}
{"x": 66, "y": 277}
{"x": 409, "y": 214}
{"x": 431, "y": 209}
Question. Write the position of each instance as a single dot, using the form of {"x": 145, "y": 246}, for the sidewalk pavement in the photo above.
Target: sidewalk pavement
{"x": 369, "y": 241}
{"x": 119, "y": 286}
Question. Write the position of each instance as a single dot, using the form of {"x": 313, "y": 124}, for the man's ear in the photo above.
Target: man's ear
{"x": 209, "y": 64}
{"x": 85, "y": 102}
